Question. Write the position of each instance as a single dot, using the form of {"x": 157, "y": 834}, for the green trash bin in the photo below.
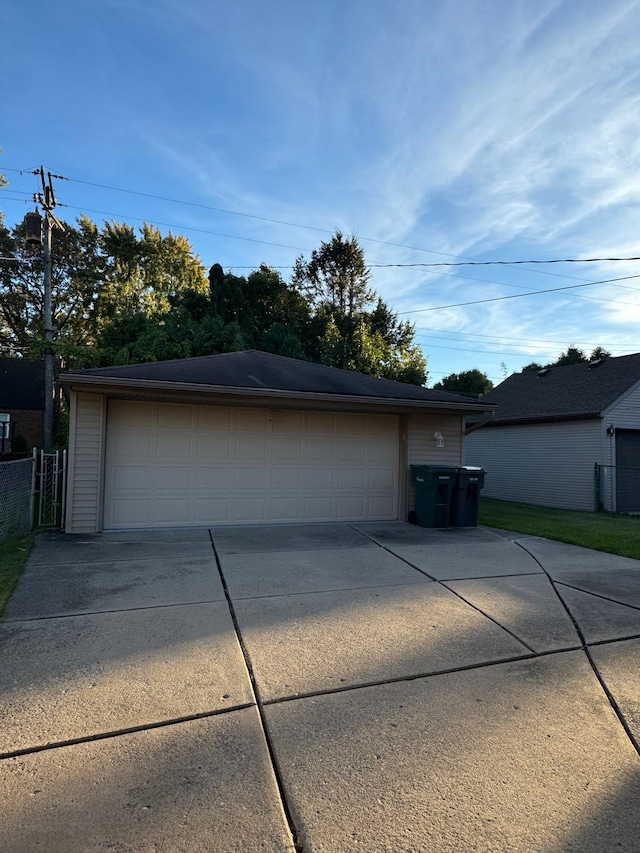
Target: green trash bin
{"x": 434, "y": 486}
{"x": 465, "y": 503}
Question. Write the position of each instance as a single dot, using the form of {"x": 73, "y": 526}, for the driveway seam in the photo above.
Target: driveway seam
{"x": 16, "y": 620}
{"x": 286, "y": 808}
{"x": 598, "y": 595}
{"x": 443, "y": 583}
{"x": 585, "y": 647}
{"x": 160, "y": 724}
{"x": 328, "y": 691}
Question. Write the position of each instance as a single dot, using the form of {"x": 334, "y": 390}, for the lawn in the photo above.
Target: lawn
{"x": 13, "y": 557}
{"x": 615, "y": 534}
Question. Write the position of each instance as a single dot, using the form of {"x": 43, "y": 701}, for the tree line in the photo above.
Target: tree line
{"x": 122, "y": 295}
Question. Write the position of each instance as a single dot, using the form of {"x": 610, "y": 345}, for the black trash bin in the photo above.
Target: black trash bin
{"x": 434, "y": 486}
{"x": 465, "y": 503}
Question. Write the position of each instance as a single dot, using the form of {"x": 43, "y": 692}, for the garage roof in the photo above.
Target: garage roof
{"x": 264, "y": 374}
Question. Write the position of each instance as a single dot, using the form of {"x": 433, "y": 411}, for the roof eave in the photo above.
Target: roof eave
{"x": 575, "y": 416}
{"x": 112, "y": 384}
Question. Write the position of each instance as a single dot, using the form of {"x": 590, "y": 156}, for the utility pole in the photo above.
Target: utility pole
{"x": 47, "y": 199}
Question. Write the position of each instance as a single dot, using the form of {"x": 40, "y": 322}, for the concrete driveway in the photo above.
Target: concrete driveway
{"x": 369, "y": 687}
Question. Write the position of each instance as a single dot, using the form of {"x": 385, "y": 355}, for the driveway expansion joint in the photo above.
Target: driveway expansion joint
{"x": 585, "y": 646}
{"x": 277, "y": 772}
{"x": 160, "y": 724}
{"x": 401, "y": 679}
{"x": 598, "y": 595}
{"x": 14, "y": 620}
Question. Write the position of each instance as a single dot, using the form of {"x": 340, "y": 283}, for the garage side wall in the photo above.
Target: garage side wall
{"x": 550, "y": 464}
{"x": 86, "y": 442}
{"x": 422, "y": 448}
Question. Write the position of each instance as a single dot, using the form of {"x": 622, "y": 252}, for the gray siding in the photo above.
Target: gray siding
{"x": 85, "y": 470}
{"x": 551, "y": 464}
{"x": 625, "y": 413}
{"x": 422, "y": 449}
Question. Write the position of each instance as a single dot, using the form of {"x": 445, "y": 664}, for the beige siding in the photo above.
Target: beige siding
{"x": 422, "y": 448}
{"x": 550, "y": 464}
{"x": 85, "y": 475}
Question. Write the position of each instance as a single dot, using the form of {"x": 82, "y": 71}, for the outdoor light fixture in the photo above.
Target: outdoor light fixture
{"x": 611, "y": 430}
{"x": 439, "y": 439}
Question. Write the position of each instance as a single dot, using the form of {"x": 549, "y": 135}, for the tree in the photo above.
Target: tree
{"x": 3, "y": 183}
{"x": 74, "y": 282}
{"x": 342, "y": 332}
{"x": 573, "y": 355}
{"x": 467, "y": 382}
{"x": 99, "y": 278}
{"x": 335, "y": 274}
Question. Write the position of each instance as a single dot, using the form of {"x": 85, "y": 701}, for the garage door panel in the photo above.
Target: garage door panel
{"x": 213, "y": 478}
{"x": 213, "y": 447}
{"x": 318, "y": 478}
{"x": 249, "y": 510}
{"x": 321, "y": 450}
{"x": 208, "y": 508}
{"x": 173, "y": 446}
{"x": 318, "y": 508}
{"x": 173, "y": 417}
{"x": 284, "y": 510}
{"x": 246, "y": 466}
{"x": 254, "y": 420}
{"x": 318, "y": 423}
{"x": 354, "y": 425}
{"x": 381, "y": 478}
{"x": 131, "y": 478}
{"x": 352, "y": 479}
{"x": 172, "y": 511}
{"x": 289, "y": 449}
{"x": 285, "y": 478}
{"x": 173, "y": 478}
{"x": 351, "y": 450}
{"x": 351, "y": 506}
{"x": 132, "y": 414}
{"x": 287, "y": 422}
{"x": 217, "y": 418}
{"x": 133, "y": 444}
{"x": 250, "y": 479}
{"x": 379, "y": 507}
{"x": 251, "y": 447}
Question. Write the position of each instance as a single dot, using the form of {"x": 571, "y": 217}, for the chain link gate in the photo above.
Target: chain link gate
{"x": 51, "y": 481}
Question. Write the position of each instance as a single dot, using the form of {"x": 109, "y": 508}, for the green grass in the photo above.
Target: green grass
{"x": 615, "y": 534}
{"x": 13, "y": 557}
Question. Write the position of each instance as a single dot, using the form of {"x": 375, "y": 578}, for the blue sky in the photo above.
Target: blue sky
{"x": 435, "y": 130}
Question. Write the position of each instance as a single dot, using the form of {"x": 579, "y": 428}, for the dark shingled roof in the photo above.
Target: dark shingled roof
{"x": 564, "y": 393}
{"x": 21, "y": 384}
{"x": 259, "y": 370}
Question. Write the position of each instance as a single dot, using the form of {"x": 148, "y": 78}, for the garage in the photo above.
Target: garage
{"x": 175, "y": 465}
{"x": 249, "y": 438}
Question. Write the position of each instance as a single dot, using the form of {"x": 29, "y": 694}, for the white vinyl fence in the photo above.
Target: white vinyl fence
{"x": 17, "y": 486}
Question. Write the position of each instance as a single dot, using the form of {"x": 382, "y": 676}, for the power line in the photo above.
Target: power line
{"x": 529, "y": 293}
{"x": 537, "y": 341}
{"x": 529, "y": 344}
{"x": 462, "y": 262}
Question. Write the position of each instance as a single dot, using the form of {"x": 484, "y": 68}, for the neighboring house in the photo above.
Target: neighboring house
{"x": 21, "y": 402}
{"x": 551, "y": 429}
{"x": 249, "y": 438}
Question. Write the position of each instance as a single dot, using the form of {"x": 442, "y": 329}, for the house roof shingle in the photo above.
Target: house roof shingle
{"x": 256, "y": 370}
{"x": 563, "y": 393}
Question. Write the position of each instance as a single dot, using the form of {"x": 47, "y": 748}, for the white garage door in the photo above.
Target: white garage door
{"x": 170, "y": 465}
